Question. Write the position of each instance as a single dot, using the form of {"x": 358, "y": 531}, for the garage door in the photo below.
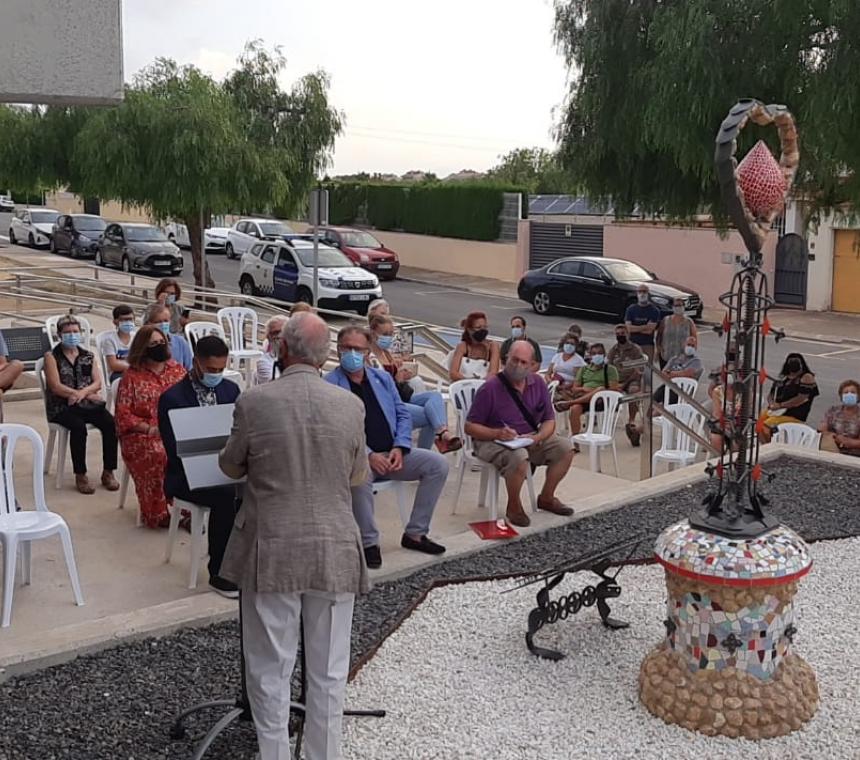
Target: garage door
{"x": 846, "y": 271}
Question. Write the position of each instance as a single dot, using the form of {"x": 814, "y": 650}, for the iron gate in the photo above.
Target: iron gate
{"x": 792, "y": 262}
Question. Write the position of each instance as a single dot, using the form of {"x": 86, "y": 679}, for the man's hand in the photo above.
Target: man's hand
{"x": 395, "y": 460}
{"x": 403, "y": 375}
{"x": 506, "y": 434}
{"x": 379, "y": 463}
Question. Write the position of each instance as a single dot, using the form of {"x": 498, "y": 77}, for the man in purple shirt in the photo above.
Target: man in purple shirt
{"x": 495, "y": 415}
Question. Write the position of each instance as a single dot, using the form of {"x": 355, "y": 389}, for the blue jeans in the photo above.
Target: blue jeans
{"x": 428, "y": 416}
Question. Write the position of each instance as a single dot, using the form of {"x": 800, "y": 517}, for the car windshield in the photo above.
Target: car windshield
{"x": 274, "y": 228}
{"x": 328, "y": 257}
{"x": 360, "y": 240}
{"x": 627, "y": 271}
{"x": 144, "y": 235}
{"x": 90, "y": 224}
{"x": 43, "y": 217}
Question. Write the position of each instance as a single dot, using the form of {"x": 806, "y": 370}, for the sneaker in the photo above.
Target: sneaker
{"x": 224, "y": 587}
{"x": 424, "y": 545}
{"x": 373, "y": 557}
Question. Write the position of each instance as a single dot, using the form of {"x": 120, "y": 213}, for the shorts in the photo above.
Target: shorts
{"x": 507, "y": 461}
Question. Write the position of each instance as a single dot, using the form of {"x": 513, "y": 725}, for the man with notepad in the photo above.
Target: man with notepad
{"x": 512, "y": 423}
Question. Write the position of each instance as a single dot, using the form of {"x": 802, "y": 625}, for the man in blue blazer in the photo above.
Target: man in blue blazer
{"x": 203, "y": 386}
{"x": 388, "y": 433}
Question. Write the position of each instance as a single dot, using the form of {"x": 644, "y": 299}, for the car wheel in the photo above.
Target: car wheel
{"x": 229, "y": 251}
{"x": 31, "y": 240}
{"x": 126, "y": 264}
{"x": 98, "y": 260}
{"x": 305, "y": 296}
{"x": 52, "y": 246}
{"x": 541, "y": 302}
{"x": 12, "y": 239}
{"x": 247, "y": 287}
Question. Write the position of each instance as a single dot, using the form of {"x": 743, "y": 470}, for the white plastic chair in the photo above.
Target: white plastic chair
{"x": 27, "y": 526}
{"x": 687, "y": 384}
{"x": 105, "y": 368}
{"x": 196, "y": 330}
{"x": 605, "y": 436}
{"x": 399, "y": 489}
{"x": 797, "y": 434}
{"x": 126, "y": 475}
{"x": 462, "y": 395}
{"x": 233, "y": 320}
{"x": 562, "y": 420}
{"x": 86, "y": 329}
{"x": 56, "y": 433}
{"x": 678, "y": 447}
{"x": 199, "y": 523}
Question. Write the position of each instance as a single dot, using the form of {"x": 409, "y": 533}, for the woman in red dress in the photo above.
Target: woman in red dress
{"x": 151, "y": 372}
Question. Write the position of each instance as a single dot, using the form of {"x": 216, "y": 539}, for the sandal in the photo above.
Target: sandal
{"x": 447, "y": 445}
{"x": 109, "y": 481}
{"x": 82, "y": 483}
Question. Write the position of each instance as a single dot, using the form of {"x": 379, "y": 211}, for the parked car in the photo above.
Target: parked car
{"x": 245, "y": 232}
{"x": 6, "y": 203}
{"x": 138, "y": 247}
{"x": 215, "y": 237}
{"x": 32, "y": 226}
{"x": 77, "y": 234}
{"x": 362, "y": 248}
{"x": 284, "y": 270}
{"x": 600, "y": 285}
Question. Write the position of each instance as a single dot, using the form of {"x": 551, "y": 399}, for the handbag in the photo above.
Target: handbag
{"x": 527, "y": 416}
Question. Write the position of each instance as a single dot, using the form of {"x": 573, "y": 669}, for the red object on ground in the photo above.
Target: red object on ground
{"x": 761, "y": 181}
{"x": 490, "y": 530}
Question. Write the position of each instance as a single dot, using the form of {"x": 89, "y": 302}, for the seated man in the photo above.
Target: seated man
{"x": 629, "y": 378}
{"x": 116, "y": 345}
{"x": 159, "y": 314}
{"x": 10, "y": 371}
{"x": 595, "y": 376}
{"x": 388, "y": 428}
{"x": 516, "y": 403}
{"x": 203, "y": 386}
{"x": 687, "y": 364}
{"x": 267, "y": 363}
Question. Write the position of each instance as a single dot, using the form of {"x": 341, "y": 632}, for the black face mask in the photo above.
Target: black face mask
{"x": 622, "y": 339}
{"x": 793, "y": 366}
{"x": 159, "y": 353}
{"x": 480, "y": 335}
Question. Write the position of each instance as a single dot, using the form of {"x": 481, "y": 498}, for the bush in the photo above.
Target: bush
{"x": 462, "y": 210}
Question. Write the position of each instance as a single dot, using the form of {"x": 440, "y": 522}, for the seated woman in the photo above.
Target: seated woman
{"x": 596, "y": 376}
{"x": 841, "y": 424}
{"x": 427, "y": 408}
{"x": 150, "y": 372}
{"x": 74, "y": 400}
{"x": 790, "y": 398}
{"x": 563, "y": 367}
{"x": 475, "y": 357}
{"x": 266, "y": 370}
{"x": 168, "y": 293}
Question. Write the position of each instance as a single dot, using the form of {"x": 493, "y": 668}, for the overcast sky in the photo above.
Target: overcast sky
{"x": 439, "y": 86}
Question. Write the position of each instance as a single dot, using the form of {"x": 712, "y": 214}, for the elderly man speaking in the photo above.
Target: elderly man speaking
{"x": 295, "y": 549}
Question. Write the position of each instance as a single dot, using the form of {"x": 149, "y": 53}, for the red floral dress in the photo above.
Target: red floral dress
{"x": 143, "y": 454}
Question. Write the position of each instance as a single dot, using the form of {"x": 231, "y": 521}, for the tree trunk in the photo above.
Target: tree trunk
{"x": 202, "y": 274}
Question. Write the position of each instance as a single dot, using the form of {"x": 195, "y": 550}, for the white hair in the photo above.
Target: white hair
{"x": 306, "y": 338}
{"x": 272, "y": 321}
{"x": 375, "y": 304}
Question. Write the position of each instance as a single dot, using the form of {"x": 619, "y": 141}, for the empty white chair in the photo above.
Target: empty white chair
{"x": 199, "y": 522}
{"x": 687, "y": 384}
{"x": 399, "y": 489}
{"x": 462, "y": 394}
{"x": 233, "y": 321}
{"x": 797, "y": 434}
{"x": 22, "y": 528}
{"x": 196, "y": 330}
{"x": 677, "y": 446}
{"x": 604, "y": 435}
{"x": 86, "y": 329}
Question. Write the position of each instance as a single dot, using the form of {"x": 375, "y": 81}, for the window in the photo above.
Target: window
{"x": 268, "y": 254}
{"x": 112, "y": 232}
{"x": 570, "y": 268}
{"x": 64, "y": 221}
{"x": 255, "y": 249}
{"x": 145, "y": 235}
{"x": 286, "y": 260}
{"x": 592, "y": 271}
{"x": 361, "y": 240}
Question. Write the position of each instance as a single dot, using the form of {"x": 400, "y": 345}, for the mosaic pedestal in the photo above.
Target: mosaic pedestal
{"x": 725, "y": 665}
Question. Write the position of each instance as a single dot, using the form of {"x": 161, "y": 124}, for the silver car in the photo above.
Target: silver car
{"x": 138, "y": 248}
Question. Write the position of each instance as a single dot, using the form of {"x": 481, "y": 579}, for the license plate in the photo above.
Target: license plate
{"x": 690, "y": 313}
{"x": 363, "y": 297}
{"x": 162, "y": 262}
{"x": 384, "y": 266}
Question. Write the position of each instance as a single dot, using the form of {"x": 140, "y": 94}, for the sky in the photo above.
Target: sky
{"x": 438, "y": 86}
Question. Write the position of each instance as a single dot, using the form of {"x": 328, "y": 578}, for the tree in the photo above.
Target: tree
{"x": 654, "y": 79}
{"x": 537, "y": 169}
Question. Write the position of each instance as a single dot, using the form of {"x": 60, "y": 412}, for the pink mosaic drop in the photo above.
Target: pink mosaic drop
{"x": 761, "y": 181}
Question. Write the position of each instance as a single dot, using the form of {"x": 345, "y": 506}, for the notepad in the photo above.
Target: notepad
{"x": 516, "y": 443}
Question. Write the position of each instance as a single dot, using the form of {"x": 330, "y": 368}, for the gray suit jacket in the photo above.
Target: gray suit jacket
{"x": 300, "y": 441}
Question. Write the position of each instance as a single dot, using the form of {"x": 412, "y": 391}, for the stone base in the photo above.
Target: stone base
{"x": 729, "y": 702}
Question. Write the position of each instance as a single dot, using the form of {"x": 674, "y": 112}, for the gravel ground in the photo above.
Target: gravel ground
{"x": 119, "y": 704}
{"x": 475, "y": 692}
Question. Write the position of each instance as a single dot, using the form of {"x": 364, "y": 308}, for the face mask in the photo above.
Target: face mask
{"x": 170, "y": 300}
{"x": 678, "y": 310}
{"x": 643, "y": 298}
{"x": 126, "y": 327}
{"x": 569, "y": 348}
{"x": 480, "y": 335}
{"x": 159, "y": 353}
{"x": 622, "y": 339}
{"x": 351, "y": 361}
{"x": 598, "y": 359}
{"x": 516, "y": 333}
{"x": 70, "y": 339}
{"x": 211, "y": 379}
{"x": 517, "y": 374}
{"x": 793, "y": 366}
{"x": 385, "y": 341}
{"x": 690, "y": 350}
{"x": 849, "y": 398}
{"x": 164, "y": 327}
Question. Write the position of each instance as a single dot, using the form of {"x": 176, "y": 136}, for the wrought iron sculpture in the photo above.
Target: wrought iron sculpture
{"x": 548, "y": 612}
{"x": 754, "y": 199}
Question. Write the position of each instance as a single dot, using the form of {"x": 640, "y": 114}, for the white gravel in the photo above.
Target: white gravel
{"x": 458, "y": 681}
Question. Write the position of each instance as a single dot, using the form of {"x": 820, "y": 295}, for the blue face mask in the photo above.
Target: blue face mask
{"x": 849, "y": 398}
{"x": 126, "y": 327}
{"x": 351, "y": 360}
{"x": 70, "y": 339}
{"x": 165, "y": 327}
{"x": 385, "y": 342}
{"x": 516, "y": 332}
{"x": 171, "y": 299}
{"x": 598, "y": 359}
{"x": 211, "y": 379}
{"x": 569, "y": 348}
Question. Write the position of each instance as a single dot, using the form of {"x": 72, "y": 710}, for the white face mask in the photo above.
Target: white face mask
{"x": 643, "y": 297}
{"x": 690, "y": 350}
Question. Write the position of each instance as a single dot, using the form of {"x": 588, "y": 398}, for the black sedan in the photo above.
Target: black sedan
{"x": 77, "y": 234}
{"x": 601, "y": 286}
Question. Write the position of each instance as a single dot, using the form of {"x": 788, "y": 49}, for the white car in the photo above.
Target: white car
{"x": 6, "y": 203}
{"x": 215, "y": 237}
{"x": 245, "y": 232}
{"x": 285, "y": 270}
{"x": 33, "y": 226}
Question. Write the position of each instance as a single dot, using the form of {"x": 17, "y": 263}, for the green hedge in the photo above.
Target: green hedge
{"x": 462, "y": 210}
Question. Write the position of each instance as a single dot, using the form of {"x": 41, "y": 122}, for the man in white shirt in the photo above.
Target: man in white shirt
{"x": 266, "y": 363}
